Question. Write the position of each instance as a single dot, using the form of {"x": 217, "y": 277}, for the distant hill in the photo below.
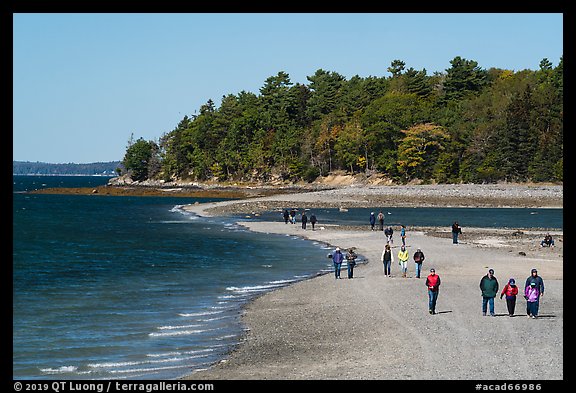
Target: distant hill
{"x": 44, "y": 168}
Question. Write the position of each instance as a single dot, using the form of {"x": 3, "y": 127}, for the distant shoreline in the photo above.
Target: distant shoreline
{"x": 267, "y": 197}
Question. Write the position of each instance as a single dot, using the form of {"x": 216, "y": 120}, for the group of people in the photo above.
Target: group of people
{"x": 290, "y": 216}
{"x": 387, "y": 258}
{"x": 548, "y": 241}
{"x": 338, "y": 258}
{"x": 533, "y": 287}
{"x": 533, "y": 291}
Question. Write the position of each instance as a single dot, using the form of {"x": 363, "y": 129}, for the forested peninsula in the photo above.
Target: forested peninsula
{"x": 464, "y": 125}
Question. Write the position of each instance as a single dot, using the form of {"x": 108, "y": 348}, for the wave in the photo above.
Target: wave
{"x": 179, "y": 353}
{"x": 201, "y": 313}
{"x": 180, "y": 332}
{"x": 143, "y": 362}
{"x": 154, "y": 369}
{"x": 169, "y": 327}
{"x": 255, "y": 288}
{"x": 283, "y": 281}
{"x": 59, "y": 370}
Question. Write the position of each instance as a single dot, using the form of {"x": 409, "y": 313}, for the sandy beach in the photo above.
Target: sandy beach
{"x": 374, "y": 327}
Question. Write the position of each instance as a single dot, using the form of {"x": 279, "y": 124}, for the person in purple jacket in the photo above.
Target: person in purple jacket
{"x": 531, "y": 294}
{"x": 539, "y": 284}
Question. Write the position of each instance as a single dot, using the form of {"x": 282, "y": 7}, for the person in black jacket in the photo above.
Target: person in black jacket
{"x": 418, "y": 259}
{"x": 456, "y": 230}
{"x": 313, "y": 220}
{"x": 304, "y": 220}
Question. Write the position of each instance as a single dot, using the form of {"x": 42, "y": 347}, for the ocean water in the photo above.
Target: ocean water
{"x": 520, "y": 218}
{"x": 111, "y": 287}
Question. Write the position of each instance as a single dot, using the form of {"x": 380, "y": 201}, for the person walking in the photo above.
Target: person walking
{"x": 372, "y": 220}
{"x": 313, "y": 220}
{"x": 539, "y": 283}
{"x": 511, "y": 291}
{"x": 456, "y": 230}
{"x": 304, "y": 220}
{"x": 351, "y": 261}
{"x": 489, "y": 288}
{"x": 381, "y": 220}
{"x": 532, "y": 294}
{"x": 292, "y": 216}
{"x": 387, "y": 258}
{"x": 403, "y": 234}
{"x": 433, "y": 284}
{"x": 418, "y": 259}
{"x": 337, "y": 258}
{"x": 403, "y": 260}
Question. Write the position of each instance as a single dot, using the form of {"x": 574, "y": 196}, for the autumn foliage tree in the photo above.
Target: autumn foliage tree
{"x": 419, "y": 150}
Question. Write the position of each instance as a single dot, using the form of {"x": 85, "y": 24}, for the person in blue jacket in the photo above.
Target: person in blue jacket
{"x": 372, "y": 220}
{"x": 337, "y": 258}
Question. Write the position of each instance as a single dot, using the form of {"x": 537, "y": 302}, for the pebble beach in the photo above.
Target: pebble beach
{"x": 373, "y": 327}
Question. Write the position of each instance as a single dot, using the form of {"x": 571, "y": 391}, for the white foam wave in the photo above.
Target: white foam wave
{"x": 226, "y": 297}
{"x": 59, "y": 370}
{"x": 149, "y": 370}
{"x": 254, "y": 288}
{"x": 225, "y": 337}
{"x": 179, "y": 353}
{"x": 140, "y": 363}
{"x": 179, "y": 333}
{"x": 169, "y": 327}
{"x": 282, "y": 281}
{"x": 200, "y": 314}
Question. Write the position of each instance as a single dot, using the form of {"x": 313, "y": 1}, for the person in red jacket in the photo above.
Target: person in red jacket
{"x": 432, "y": 282}
{"x": 510, "y": 290}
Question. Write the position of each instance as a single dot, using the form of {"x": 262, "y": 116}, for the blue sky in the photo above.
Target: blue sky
{"x": 83, "y": 83}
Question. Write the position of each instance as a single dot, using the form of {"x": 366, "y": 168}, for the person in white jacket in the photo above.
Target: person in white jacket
{"x": 387, "y": 259}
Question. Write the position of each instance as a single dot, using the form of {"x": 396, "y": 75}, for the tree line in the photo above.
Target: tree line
{"x": 466, "y": 124}
{"x": 110, "y": 168}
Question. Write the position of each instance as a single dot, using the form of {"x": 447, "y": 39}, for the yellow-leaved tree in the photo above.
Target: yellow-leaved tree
{"x": 419, "y": 150}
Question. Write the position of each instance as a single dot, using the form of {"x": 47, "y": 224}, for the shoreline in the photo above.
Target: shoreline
{"x": 300, "y": 331}
{"x": 360, "y": 195}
